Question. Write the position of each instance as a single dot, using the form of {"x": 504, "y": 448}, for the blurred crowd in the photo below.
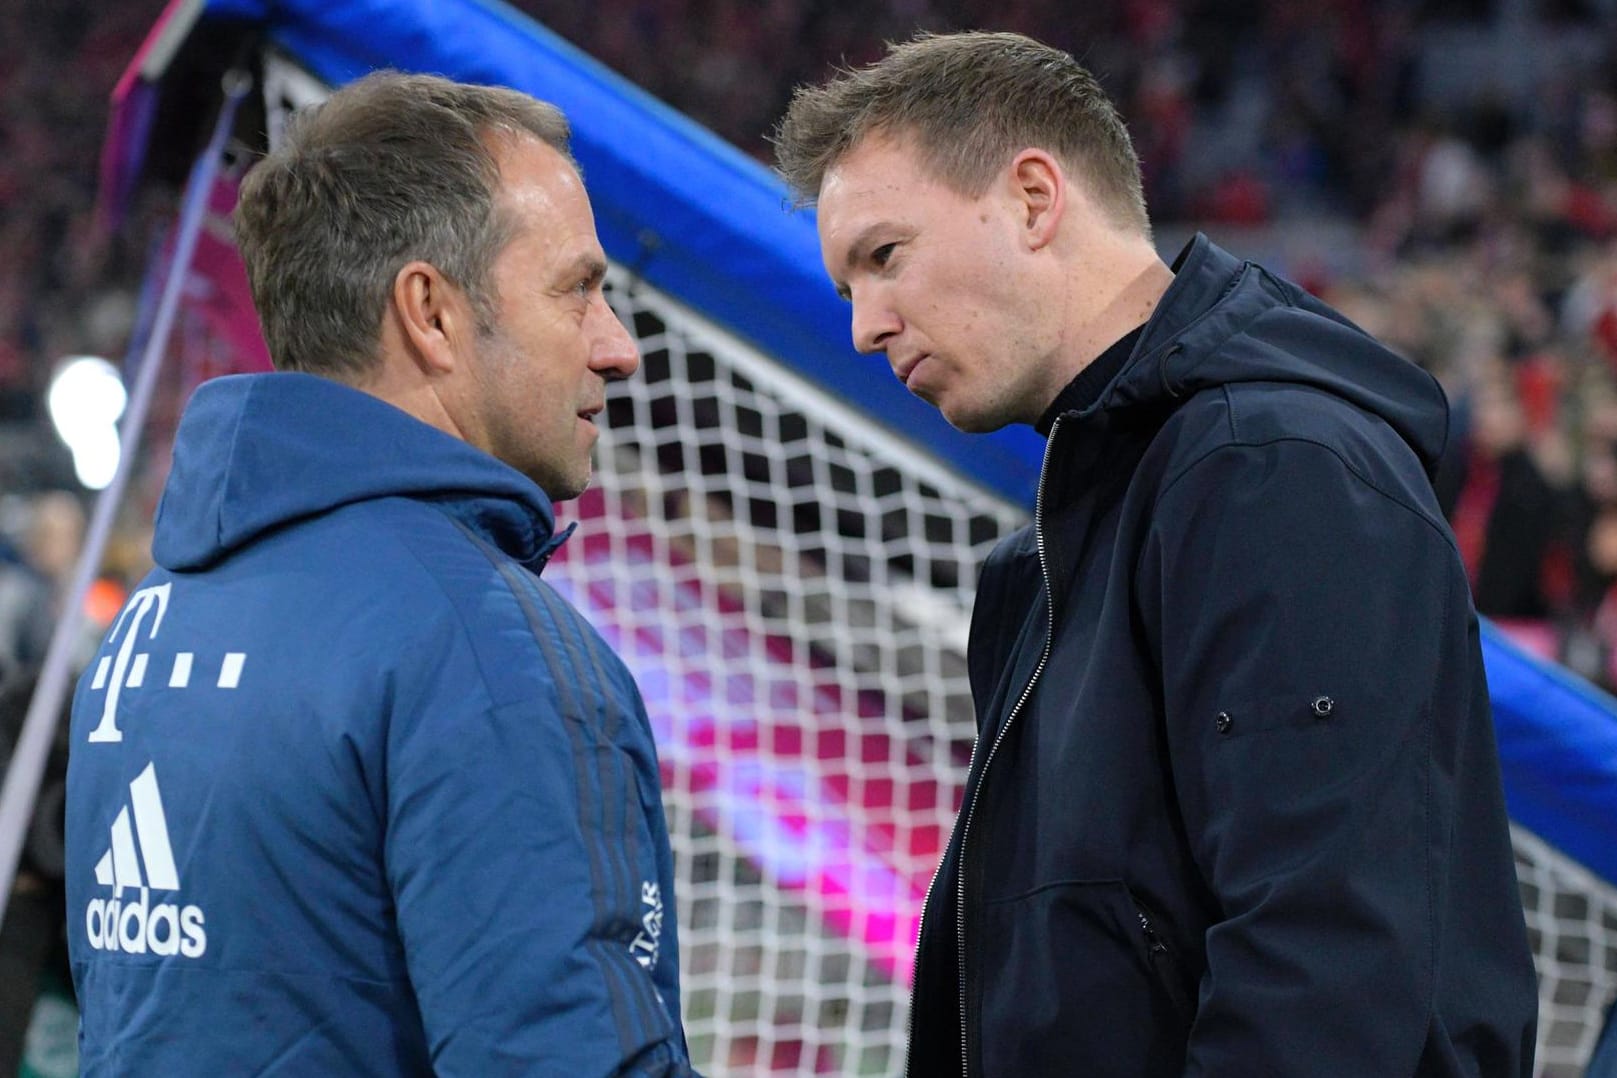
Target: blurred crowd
{"x": 64, "y": 287}
{"x": 1481, "y": 231}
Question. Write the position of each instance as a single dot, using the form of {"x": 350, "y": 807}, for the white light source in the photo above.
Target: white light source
{"x": 95, "y": 457}
{"x": 85, "y": 399}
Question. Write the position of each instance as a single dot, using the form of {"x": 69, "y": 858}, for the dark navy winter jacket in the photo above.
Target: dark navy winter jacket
{"x": 1235, "y": 805}
{"x": 351, "y": 791}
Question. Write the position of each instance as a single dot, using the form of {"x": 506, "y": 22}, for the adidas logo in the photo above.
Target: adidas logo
{"x": 136, "y": 926}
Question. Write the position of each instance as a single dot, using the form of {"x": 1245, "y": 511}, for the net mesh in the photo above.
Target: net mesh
{"x": 1572, "y": 926}
{"x": 792, "y": 589}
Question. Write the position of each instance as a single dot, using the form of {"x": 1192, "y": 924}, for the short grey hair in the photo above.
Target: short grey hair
{"x": 390, "y": 169}
{"x": 968, "y": 103}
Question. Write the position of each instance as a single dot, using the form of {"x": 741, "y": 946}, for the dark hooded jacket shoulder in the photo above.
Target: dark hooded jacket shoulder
{"x": 1235, "y": 804}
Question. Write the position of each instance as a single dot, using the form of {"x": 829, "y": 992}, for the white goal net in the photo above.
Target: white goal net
{"x": 1572, "y": 926}
{"x": 792, "y": 588}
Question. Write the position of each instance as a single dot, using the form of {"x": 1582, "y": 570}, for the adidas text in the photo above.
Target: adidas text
{"x": 137, "y": 927}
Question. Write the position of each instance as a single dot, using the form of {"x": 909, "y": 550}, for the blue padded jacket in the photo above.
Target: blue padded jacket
{"x": 351, "y": 790}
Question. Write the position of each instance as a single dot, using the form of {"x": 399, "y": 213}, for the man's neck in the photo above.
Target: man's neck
{"x": 1130, "y": 307}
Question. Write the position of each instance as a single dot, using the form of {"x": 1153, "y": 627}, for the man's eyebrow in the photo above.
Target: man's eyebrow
{"x": 855, "y": 251}
{"x": 585, "y": 266}
{"x": 857, "y": 245}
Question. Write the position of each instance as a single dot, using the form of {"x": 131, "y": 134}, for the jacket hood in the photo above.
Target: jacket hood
{"x": 1224, "y": 321}
{"x": 255, "y": 452}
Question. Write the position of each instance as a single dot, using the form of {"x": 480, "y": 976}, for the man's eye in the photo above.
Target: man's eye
{"x": 881, "y": 255}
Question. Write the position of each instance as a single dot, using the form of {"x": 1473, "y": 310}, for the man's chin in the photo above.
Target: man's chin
{"x": 563, "y": 488}
{"x": 969, "y": 422}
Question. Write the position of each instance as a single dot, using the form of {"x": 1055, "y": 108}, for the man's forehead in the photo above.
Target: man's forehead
{"x": 881, "y": 182}
{"x": 875, "y": 150}
{"x": 857, "y": 183}
{"x": 533, "y": 171}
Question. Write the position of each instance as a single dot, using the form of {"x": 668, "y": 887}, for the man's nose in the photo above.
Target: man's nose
{"x": 874, "y": 323}
{"x": 615, "y": 355}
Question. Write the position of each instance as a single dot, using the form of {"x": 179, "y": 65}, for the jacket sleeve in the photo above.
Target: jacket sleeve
{"x": 1311, "y": 723}
{"x": 509, "y": 840}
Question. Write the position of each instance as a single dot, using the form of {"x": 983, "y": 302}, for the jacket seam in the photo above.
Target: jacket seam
{"x": 231, "y": 458}
{"x": 130, "y": 962}
{"x": 1292, "y": 295}
{"x": 1347, "y": 465}
{"x": 611, "y": 974}
{"x": 465, "y": 630}
{"x": 618, "y": 781}
{"x": 1430, "y": 957}
{"x": 634, "y": 993}
{"x": 1099, "y": 882}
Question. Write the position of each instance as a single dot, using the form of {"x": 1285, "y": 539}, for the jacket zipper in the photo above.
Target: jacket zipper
{"x": 988, "y": 761}
{"x": 1163, "y": 964}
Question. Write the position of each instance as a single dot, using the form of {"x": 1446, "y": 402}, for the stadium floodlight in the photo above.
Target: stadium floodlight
{"x": 85, "y": 400}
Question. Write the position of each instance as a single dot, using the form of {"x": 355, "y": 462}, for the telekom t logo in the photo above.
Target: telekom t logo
{"x": 127, "y": 669}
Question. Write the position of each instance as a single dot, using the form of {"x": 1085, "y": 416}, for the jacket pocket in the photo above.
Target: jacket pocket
{"x": 1066, "y": 984}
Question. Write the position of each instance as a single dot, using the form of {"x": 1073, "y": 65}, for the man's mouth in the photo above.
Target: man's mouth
{"x": 905, "y": 369}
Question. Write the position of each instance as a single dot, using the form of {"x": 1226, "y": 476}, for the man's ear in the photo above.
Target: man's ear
{"x": 1039, "y": 186}
{"x": 434, "y": 317}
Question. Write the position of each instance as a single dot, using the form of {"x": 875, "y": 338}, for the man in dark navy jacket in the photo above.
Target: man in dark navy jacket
{"x": 1235, "y": 805}
{"x": 353, "y": 791}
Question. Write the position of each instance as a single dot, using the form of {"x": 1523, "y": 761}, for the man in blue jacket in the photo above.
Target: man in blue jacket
{"x": 1235, "y": 806}
{"x": 352, "y": 791}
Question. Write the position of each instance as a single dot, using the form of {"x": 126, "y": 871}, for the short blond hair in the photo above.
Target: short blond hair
{"x": 969, "y": 102}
